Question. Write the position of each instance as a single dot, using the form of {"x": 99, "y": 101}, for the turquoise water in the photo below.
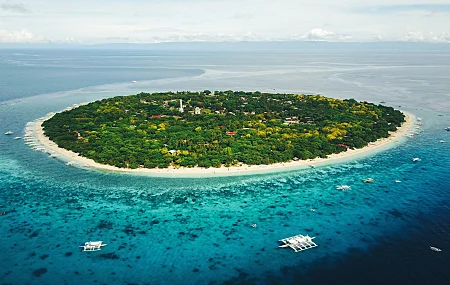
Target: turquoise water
{"x": 198, "y": 231}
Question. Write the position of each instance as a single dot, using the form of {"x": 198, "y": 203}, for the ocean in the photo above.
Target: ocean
{"x": 199, "y": 230}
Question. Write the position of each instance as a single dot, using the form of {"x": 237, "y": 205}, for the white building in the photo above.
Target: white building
{"x": 181, "y": 109}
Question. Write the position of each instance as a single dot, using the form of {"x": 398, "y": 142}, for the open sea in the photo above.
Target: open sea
{"x": 199, "y": 230}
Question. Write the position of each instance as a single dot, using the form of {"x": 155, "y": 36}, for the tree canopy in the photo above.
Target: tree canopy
{"x": 211, "y": 129}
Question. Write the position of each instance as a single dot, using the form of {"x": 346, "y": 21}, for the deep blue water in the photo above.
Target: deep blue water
{"x": 198, "y": 231}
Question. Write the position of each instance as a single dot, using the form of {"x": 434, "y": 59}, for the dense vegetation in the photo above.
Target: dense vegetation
{"x": 218, "y": 128}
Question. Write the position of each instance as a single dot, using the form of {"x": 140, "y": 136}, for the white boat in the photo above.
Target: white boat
{"x": 447, "y": 129}
{"x": 9, "y": 133}
{"x": 17, "y": 138}
{"x": 415, "y": 159}
{"x": 435, "y": 248}
{"x": 298, "y": 242}
{"x": 134, "y": 81}
{"x": 343, "y": 187}
{"x": 442, "y": 141}
{"x": 93, "y": 245}
{"x": 398, "y": 181}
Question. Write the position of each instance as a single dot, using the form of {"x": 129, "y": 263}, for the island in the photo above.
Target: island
{"x": 185, "y": 129}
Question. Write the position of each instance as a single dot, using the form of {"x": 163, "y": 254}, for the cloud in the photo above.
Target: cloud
{"x": 418, "y": 36}
{"x": 20, "y": 36}
{"x": 185, "y": 36}
{"x": 17, "y": 8}
{"x": 319, "y": 34}
{"x": 242, "y": 16}
{"x": 386, "y": 9}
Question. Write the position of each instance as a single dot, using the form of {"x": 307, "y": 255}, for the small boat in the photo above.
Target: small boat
{"x": 415, "y": 159}
{"x": 9, "y": 133}
{"x": 382, "y": 102}
{"x": 53, "y": 155}
{"x": 442, "y": 141}
{"x": 447, "y": 129}
{"x": 298, "y": 243}
{"x": 343, "y": 187}
{"x": 93, "y": 245}
{"x": 134, "y": 81}
{"x": 368, "y": 180}
{"x": 398, "y": 181}
{"x": 254, "y": 225}
{"x": 17, "y": 138}
{"x": 435, "y": 248}
{"x": 312, "y": 210}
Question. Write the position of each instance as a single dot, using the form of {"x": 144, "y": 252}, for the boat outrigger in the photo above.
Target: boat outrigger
{"x": 92, "y": 245}
{"x": 298, "y": 242}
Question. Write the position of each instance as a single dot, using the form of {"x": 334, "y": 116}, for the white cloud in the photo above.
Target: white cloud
{"x": 183, "y": 36}
{"x": 418, "y": 36}
{"x": 319, "y": 34}
{"x": 15, "y": 8}
{"x": 242, "y": 16}
{"x": 20, "y": 36}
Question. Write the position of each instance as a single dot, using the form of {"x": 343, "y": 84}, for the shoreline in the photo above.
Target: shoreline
{"x": 43, "y": 143}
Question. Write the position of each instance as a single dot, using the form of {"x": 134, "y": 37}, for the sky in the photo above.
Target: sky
{"x": 152, "y": 21}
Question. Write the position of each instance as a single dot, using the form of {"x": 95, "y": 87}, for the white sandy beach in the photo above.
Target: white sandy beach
{"x": 348, "y": 155}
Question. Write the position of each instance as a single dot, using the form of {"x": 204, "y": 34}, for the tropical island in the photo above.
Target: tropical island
{"x": 221, "y": 128}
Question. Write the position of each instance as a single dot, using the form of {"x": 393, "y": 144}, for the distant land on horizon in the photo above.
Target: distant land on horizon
{"x": 241, "y": 46}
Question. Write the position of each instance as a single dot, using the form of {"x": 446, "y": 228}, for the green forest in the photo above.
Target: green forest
{"x": 211, "y": 129}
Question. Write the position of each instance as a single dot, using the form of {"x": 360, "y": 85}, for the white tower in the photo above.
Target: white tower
{"x": 181, "y": 106}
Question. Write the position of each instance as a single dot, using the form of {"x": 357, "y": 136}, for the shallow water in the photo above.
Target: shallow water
{"x": 198, "y": 231}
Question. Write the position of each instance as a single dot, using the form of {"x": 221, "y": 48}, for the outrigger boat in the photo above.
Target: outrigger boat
{"x": 298, "y": 242}
{"x": 92, "y": 245}
{"x": 368, "y": 180}
{"x": 343, "y": 187}
{"x": 435, "y": 248}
